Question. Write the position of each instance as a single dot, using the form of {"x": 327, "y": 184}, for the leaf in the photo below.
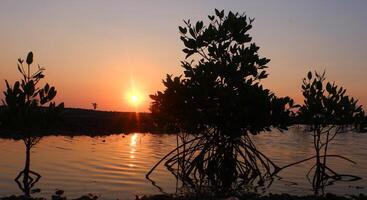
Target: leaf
{"x": 29, "y": 58}
{"x": 20, "y": 69}
{"x": 319, "y": 85}
{"x": 328, "y": 87}
{"x": 199, "y": 25}
{"x": 309, "y": 75}
{"x": 182, "y": 30}
{"x": 51, "y": 93}
{"x": 47, "y": 87}
{"x": 16, "y": 86}
{"x": 192, "y": 33}
{"x": 262, "y": 75}
{"x": 230, "y": 14}
{"x": 217, "y": 12}
{"x": 153, "y": 97}
{"x": 191, "y": 44}
{"x": 189, "y": 54}
{"x": 186, "y": 50}
{"x": 221, "y": 14}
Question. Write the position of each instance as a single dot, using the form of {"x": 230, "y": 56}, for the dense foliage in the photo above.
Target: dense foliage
{"x": 221, "y": 90}
{"x": 219, "y": 100}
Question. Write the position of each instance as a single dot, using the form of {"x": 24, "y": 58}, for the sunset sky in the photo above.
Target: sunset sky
{"x": 109, "y": 51}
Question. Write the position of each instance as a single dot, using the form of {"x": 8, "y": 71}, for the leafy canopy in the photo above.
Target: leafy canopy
{"x": 220, "y": 87}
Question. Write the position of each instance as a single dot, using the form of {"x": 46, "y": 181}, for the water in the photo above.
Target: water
{"x": 115, "y": 166}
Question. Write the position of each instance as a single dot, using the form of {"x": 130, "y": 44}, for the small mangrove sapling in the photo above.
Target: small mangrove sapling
{"x": 24, "y": 112}
{"x": 327, "y": 111}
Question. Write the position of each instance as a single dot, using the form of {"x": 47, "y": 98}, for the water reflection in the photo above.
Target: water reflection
{"x": 83, "y": 164}
{"x": 117, "y": 168}
{"x": 133, "y": 141}
{"x": 27, "y": 178}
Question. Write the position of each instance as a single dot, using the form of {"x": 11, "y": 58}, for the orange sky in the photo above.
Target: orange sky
{"x": 96, "y": 51}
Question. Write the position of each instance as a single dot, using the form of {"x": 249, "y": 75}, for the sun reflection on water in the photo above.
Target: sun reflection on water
{"x": 133, "y": 141}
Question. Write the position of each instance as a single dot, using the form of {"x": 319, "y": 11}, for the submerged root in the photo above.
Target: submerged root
{"x": 222, "y": 164}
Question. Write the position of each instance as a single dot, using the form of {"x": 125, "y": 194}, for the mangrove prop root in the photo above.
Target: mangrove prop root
{"x": 212, "y": 161}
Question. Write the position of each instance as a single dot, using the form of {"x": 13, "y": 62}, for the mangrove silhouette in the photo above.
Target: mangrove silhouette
{"x": 216, "y": 104}
{"x": 219, "y": 101}
{"x": 23, "y": 111}
{"x": 327, "y": 111}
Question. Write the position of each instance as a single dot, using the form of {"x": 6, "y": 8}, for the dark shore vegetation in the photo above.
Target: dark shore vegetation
{"x": 254, "y": 196}
{"x": 75, "y": 122}
{"x": 81, "y": 122}
{"x": 257, "y": 197}
{"x": 103, "y": 122}
{"x": 248, "y": 196}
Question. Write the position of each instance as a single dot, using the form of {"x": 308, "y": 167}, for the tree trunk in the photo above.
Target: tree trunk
{"x": 26, "y": 177}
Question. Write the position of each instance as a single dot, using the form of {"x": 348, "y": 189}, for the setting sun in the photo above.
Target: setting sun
{"x": 134, "y": 99}
{"x": 134, "y": 95}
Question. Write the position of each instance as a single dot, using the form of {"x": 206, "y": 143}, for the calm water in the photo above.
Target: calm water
{"x": 115, "y": 166}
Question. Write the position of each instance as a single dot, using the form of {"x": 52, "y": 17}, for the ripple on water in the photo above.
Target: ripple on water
{"x": 115, "y": 166}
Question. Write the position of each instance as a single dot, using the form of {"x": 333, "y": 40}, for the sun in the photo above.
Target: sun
{"x": 134, "y": 99}
{"x": 135, "y": 96}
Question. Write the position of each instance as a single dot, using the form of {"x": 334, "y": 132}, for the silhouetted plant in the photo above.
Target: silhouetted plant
{"x": 23, "y": 105}
{"x": 216, "y": 104}
{"x": 328, "y": 111}
{"x": 23, "y": 111}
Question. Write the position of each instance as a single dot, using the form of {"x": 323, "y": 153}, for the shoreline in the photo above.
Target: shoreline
{"x": 246, "y": 196}
{"x": 77, "y": 122}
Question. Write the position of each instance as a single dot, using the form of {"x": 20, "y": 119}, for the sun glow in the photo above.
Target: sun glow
{"x": 135, "y": 100}
{"x": 135, "y": 96}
